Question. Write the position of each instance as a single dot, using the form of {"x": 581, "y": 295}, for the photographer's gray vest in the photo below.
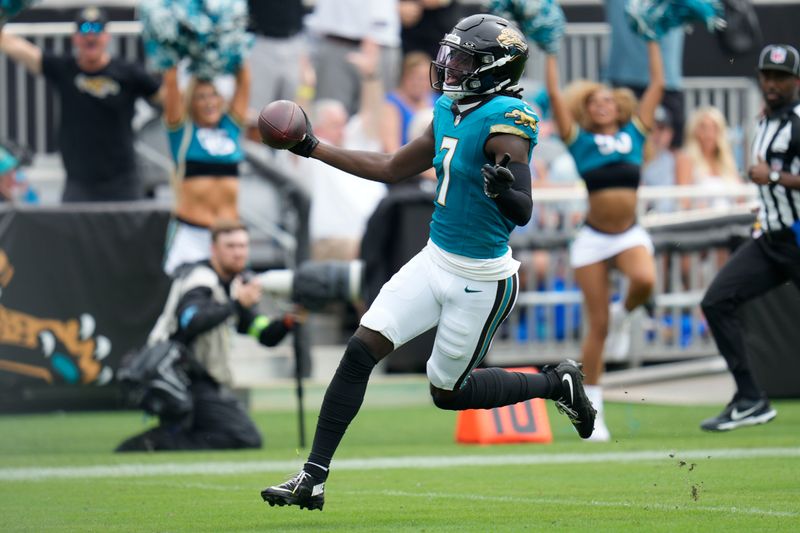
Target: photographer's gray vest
{"x": 212, "y": 348}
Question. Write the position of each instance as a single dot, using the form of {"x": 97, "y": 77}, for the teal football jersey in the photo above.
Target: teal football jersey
{"x": 465, "y": 221}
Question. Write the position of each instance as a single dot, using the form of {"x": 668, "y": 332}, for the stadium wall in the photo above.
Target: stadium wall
{"x": 78, "y": 289}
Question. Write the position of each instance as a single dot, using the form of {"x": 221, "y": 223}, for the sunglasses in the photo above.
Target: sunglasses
{"x": 90, "y": 27}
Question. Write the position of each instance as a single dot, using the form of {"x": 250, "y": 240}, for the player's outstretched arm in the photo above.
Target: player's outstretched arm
{"x": 655, "y": 89}
{"x": 561, "y": 113}
{"x": 412, "y": 159}
{"x": 508, "y": 182}
{"x": 22, "y": 51}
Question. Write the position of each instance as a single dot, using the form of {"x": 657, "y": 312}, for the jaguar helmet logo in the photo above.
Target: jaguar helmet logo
{"x": 510, "y": 38}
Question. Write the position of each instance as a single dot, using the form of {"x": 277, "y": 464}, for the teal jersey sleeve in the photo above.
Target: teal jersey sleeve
{"x": 465, "y": 221}
{"x": 516, "y": 118}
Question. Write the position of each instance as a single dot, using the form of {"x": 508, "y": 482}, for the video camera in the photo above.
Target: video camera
{"x": 315, "y": 284}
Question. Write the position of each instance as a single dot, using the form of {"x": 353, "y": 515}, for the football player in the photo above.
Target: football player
{"x": 465, "y": 280}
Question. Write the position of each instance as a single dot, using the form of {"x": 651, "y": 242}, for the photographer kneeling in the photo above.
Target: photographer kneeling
{"x": 206, "y": 301}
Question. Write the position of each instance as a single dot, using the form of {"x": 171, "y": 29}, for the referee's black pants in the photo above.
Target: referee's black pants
{"x": 756, "y": 267}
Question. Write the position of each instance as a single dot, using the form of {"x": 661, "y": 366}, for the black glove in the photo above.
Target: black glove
{"x": 497, "y": 179}
{"x": 309, "y": 142}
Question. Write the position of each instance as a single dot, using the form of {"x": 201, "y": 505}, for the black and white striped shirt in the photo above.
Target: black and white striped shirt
{"x": 777, "y": 141}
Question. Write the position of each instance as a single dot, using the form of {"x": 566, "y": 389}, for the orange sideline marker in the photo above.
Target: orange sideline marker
{"x": 522, "y": 422}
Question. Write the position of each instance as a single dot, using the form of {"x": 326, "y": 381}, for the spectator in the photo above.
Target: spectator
{"x": 13, "y": 186}
{"x": 397, "y": 230}
{"x": 8, "y": 176}
{"x": 424, "y": 22}
{"x": 340, "y": 202}
{"x": 279, "y": 53}
{"x": 204, "y": 138}
{"x": 341, "y": 26}
{"x": 206, "y": 299}
{"x": 659, "y": 167}
{"x": 626, "y": 65}
{"x": 413, "y": 95}
{"x": 97, "y": 93}
{"x": 707, "y": 156}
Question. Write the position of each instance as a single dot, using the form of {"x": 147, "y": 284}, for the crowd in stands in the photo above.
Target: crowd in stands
{"x": 361, "y": 72}
{"x": 362, "y": 75}
{"x": 308, "y": 56}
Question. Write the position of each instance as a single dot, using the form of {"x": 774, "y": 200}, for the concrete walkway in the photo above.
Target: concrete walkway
{"x": 715, "y": 389}
{"x": 703, "y": 381}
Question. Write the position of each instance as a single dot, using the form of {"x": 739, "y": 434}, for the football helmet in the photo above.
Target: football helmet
{"x": 482, "y": 54}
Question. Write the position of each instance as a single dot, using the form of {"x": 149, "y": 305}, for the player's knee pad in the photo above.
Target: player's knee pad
{"x": 357, "y": 362}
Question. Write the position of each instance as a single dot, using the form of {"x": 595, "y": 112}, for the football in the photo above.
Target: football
{"x": 282, "y": 124}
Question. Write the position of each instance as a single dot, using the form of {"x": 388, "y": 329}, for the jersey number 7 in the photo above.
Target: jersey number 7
{"x": 449, "y": 144}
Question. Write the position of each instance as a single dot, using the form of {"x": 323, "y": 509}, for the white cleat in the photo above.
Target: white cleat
{"x": 618, "y": 340}
{"x": 600, "y": 433}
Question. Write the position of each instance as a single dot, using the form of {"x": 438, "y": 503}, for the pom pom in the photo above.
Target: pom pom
{"x": 11, "y": 8}
{"x": 652, "y": 19}
{"x": 542, "y": 21}
{"x": 211, "y": 33}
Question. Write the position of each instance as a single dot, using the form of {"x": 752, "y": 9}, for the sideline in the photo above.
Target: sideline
{"x": 413, "y": 462}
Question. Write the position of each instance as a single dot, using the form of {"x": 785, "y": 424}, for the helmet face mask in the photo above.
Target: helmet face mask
{"x": 455, "y": 71}
{"x": 482, "y": 55}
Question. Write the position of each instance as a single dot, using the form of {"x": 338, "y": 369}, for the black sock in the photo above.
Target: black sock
{"x": 494, "y": 387}
{"x": 340, "y": 405}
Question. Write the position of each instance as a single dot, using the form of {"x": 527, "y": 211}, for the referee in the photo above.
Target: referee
{"x": 772, "y": 257}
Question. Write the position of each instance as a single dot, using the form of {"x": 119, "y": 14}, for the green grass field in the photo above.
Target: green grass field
{"x": 659, "y": 473}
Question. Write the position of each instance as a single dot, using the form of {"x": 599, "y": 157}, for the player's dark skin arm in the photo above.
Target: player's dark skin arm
{"x": 412, "y": 159}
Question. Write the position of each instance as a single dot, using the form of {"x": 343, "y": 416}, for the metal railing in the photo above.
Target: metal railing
{"x": 548, "y": 321}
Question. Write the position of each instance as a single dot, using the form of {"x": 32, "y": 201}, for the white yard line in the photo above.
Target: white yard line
{"x": 425, "y": 462}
